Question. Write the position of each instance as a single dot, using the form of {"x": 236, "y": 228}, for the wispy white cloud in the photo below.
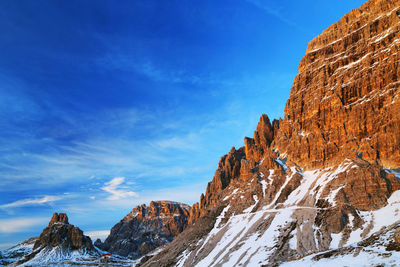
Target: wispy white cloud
{"x": 19, "y": 225}
{"x": 102, "y": 234}
{"x": 273, "y": 12}
{"x": 31, "y": 201}
{"x": 175, "y": 171}
{"x": 116, "y": 190}
{"x": 118, "y": 60}
{"x": 188, "y": 142}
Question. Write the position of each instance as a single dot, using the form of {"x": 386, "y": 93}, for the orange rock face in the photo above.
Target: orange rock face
{"x": 345, "y": 101}
{"x": 228, "y": 170}
{"x": 59, "y": 218}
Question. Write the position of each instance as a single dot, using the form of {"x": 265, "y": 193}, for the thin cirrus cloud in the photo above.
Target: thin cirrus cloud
{"x": 119, "y": 60}
{"x": 274, "y": 12}
{"x": 31, "y": 201}
{"x": 116, "y": 188}
{"x": 18, "y": 225}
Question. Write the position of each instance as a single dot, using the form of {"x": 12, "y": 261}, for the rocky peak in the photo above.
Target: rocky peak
{"x": 228, "y": 169}
{"x": 264, "y": 134}
{"x": 59, "y": 218}
{"x": 60, "y": 233}
{"x": 59, "y": 241}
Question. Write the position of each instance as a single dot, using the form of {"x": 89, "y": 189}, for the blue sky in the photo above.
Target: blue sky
{"x": 105, "y": 105}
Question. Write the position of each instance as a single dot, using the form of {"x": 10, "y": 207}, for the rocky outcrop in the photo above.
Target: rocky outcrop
{"x": 59, "y": 242}
{"x": 228, "y": 170}
{"x": 59, "y": 218}
{"x": 322, "y": 177}
{"x": 61, "y": 233}
{"x": 146, "y": 228}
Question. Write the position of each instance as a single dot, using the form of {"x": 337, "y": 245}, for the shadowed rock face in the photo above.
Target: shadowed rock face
{"x": 330, "y": 163}
{"x": 146, "y": 228}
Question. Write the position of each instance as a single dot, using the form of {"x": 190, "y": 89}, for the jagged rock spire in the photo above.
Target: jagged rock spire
{"x": 59, "y": 218}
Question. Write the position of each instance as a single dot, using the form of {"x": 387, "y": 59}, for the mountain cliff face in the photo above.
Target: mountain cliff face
{"x": 325, "y": 176}
{"x": 146, "y": 228}
{"x": 345, "y": 100}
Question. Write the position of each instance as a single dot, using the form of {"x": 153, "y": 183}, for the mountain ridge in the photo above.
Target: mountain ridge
{"x": 319, "y": 178}
{"x": 146, "y": 228}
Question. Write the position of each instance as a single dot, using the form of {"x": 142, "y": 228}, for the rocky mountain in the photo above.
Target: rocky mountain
{"x": 146, "y": 228}
{"x": 324, "y": 177}
{"x": 60, "y": 242}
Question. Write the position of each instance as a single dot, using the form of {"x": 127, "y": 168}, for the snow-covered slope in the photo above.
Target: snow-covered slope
{"x": 254, "y": 238}
{"x": 307, "y": 214}
{"x": 17, "y": 252}
{"x": 59, "y": 255}
{"x": 23, "y": 254}
{"x": 380, "y": 249}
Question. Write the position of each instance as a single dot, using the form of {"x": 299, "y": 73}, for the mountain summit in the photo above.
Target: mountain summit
{"x": 59, "y": 242}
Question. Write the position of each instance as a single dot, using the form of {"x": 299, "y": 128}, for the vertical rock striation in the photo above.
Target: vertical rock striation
{"x": 345, "y": 100}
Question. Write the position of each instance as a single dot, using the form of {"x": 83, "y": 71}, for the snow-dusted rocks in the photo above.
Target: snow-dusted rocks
{"x": 380, "y": 249}
{"x": 17, "y": 252}
{"x": 306, "y": 212}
